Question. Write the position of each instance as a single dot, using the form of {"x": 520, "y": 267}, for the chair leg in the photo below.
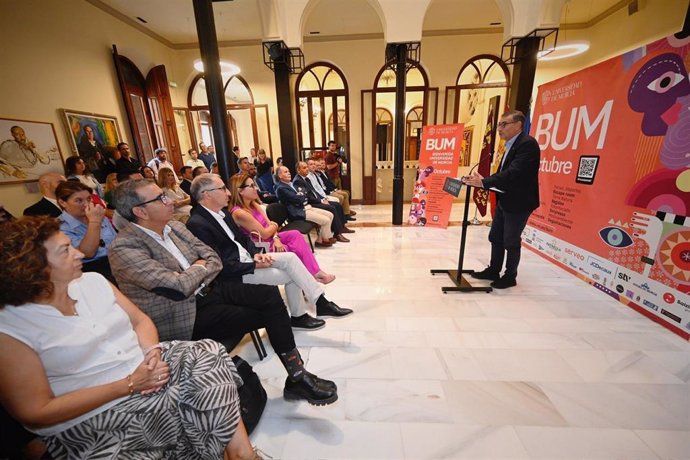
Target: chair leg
{"x": 258, "y": 344}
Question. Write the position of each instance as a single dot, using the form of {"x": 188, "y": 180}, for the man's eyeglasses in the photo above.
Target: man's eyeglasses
{"x": 162, "y": 198}
{"x": 503, "y": 124}
{"x": 249, "y": 185}
{"x": 217, "y": 188}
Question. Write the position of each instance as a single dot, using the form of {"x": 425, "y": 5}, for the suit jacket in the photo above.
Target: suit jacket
{"x": 326, "y": 182}
{"x": 304, "y": 184}
{"x": 153, "y": 279}
{"x": 186, "y": 185}
{"x": 43, "y": 207}
{"x": 519, "y": 176}
{"x": 293, "y": 201}
{"x": 205, "y": 227}
{"x": 125, "y": 166}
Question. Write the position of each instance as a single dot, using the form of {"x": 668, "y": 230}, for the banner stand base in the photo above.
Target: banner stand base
{"x": 461, "y": 283}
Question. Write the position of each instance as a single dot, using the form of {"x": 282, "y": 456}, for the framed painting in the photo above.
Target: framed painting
{"x": 466, "y": 145}
{"x": 27, "y": 150}
{"x": 93, "y": 137}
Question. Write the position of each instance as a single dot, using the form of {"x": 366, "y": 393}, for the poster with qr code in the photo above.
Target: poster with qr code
{"x": 614, "y": 178}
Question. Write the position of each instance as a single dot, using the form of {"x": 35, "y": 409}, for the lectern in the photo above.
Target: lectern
{"x": 453, "y": 186}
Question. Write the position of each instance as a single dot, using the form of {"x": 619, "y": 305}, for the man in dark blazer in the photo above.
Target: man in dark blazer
{"x": 47, "y": 205}
{"x": 518, "y": 182}
{"x": 302, "y": 182}
{"x": 171, "y": 275}
{"x": 244, "y": 262}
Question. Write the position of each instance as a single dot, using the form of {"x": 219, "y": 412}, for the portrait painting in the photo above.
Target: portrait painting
{"x": 27, "y": 150}
{"x": 93, "y": 137}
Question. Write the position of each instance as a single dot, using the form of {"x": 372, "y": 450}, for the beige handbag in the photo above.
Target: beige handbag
{"x": 265, "y": 246}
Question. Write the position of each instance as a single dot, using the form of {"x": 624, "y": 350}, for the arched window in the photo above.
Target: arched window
{"x": 248, "y": 122}
{"x": 477, "y": 99}
{"x": 321, "y": 91}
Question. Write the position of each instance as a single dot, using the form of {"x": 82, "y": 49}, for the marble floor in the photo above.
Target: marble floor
{"x": 551, "y": 369}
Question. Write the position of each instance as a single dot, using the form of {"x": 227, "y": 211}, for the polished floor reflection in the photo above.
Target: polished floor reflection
{"x": 550, "y": 369}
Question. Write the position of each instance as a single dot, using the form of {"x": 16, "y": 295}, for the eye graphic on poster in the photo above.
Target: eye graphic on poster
{"x": 615, "y": 237}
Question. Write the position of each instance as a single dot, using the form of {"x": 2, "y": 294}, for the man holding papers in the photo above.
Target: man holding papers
{"x": 517, "y": 179}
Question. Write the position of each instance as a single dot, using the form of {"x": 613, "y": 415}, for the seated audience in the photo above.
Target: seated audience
{"x": 110, "y": 184}
{"x": 81, "y": 365}
{"x": 206, "y": 155}
{"x": 265, "y": 195}
{"x": 85, "y": 224}
{"x": 244, "y": 262}
{"x": 76, "y": 169}
{"x": 160, "y": 161}
{"x": 299, "y": 209}
{"x": 249, "y": 215}
{"x": 194, "y": 160}
{"x": 47, "y": 205}
{"x": 319, "y": 170}
{"x": 186, "y": 175}
{"x": 214, "y": 168}
{"x": 242, "y": 165}
{"x": 126, "y": 164}
{"x": 147, "y": 172}
{"x": 172, "y": 275}
{"x": 302, "y": 182}
{"x": 264, "y": 165}
{"x": 180, "y": 200}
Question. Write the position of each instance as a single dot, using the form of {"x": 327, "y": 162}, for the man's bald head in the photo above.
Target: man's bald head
{"x": 48, "y": 182}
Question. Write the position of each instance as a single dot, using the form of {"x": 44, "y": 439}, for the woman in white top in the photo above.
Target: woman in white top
{"x": 180, "y": 199}
{"x": 76, "y": 169}
{"x": 81, "y": 365}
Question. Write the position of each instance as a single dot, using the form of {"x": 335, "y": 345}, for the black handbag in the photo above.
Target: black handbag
{"x": 252, "y": 394}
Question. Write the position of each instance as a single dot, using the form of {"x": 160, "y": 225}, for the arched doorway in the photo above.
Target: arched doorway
{"x": 378, "y": 137}
{"x": 248, "y": 122}
{"x": 321, "y": 91}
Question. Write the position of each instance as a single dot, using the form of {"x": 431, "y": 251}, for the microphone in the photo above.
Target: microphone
{"x": 476, "y": 165}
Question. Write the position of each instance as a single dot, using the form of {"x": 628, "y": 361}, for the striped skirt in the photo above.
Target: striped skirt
{"x": 193, "y": 417}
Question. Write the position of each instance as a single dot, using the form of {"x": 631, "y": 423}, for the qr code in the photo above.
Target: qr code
{"x": 587, "y": 170}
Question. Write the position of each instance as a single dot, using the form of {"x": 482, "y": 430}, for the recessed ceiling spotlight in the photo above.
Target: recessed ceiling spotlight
{"x": 226, "y": 68}
{"x": 563, "y": 51}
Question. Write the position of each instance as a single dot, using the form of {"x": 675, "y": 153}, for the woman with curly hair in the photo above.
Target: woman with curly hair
{"x": 81, "y": 365}
{"x": 246, "y": 211}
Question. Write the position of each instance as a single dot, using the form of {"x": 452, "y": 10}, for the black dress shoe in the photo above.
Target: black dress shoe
{"x": 504, "y": 282}
{"x": 307, "y": 323}
{"x": 332, "y": 310}
{"x": 350, "y": 218}
{"x": 311, "y": 388}
{"x": 486, "y": 274}
{"x": 326, "y": 383}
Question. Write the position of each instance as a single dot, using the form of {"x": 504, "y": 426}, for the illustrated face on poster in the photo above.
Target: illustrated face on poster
{"x": 27, "y": 150}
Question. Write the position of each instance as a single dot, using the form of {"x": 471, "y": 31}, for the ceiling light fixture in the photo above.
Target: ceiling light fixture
{"x": 226, "y": 68}
{"x": 563, "y": 51}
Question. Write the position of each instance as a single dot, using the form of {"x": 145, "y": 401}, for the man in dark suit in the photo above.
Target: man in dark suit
{"x": 302, "y": 182}
{"x": 171, "y": 276}
{"x": 46, "y": 206}
{"x": 186, "y": 175}
{"x": 518, "y": 182}
{"x": 244, "y": 262}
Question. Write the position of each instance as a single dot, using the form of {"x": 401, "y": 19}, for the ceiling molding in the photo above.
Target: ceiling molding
{"x": 223, "y": 44}
{"x": 469, "y": 31}
{"x": 346, "y": 37}
{"x": 130, "y": 22}
{"x": 598, "y": 18}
